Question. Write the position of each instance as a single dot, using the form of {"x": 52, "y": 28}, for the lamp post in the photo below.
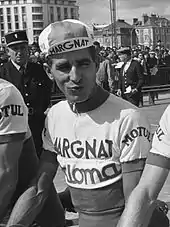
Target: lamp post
{"x": 113, "y": 22}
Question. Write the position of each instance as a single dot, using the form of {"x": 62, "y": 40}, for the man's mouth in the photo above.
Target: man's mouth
{"x": 75, "y": 88}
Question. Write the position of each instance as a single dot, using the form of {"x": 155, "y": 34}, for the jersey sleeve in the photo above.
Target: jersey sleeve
{"x": 47, "y": 135}
{"x": 160, "y": 151}
{"x": 134, "y": 137}
{"x": 13, "y": 115}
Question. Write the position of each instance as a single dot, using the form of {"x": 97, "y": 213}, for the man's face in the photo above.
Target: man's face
{"x": 19, "y": 53}
{"x": 75, "y": 74}
{"x": 152, "y": 55}
{"x": 123, "y": 57}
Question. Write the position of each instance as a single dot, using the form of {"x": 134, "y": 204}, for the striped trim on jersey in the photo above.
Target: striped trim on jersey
{"x": 12, "y": 137}
{"x": 158, "y": 160}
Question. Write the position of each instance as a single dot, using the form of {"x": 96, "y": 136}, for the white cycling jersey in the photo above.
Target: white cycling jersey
{"x": 92, "y": 146}
{"x": 160, "y": 151}
{"x": 13, "y": 114}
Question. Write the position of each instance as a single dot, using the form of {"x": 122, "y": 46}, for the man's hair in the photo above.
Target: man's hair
{"x": 96, "y": 43}
{"x": 91, "y": 50}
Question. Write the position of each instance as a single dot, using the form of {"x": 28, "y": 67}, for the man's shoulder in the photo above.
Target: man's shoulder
{"x": 135, "y": 62}
{"x": 6, "y": 85}
{"x": 120, "y": 107}
{"x": 8, "y": 90}
{"x": 6, "y": 64}
{"x": 59, "y": 108}
{"x": 36, "y": 70}
{"x": 34, "y": 65}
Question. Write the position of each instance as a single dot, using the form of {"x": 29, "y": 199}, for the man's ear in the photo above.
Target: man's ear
{"x": 47, "y": 69}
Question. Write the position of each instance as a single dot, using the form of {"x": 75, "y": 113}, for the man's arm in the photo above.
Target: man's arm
{"x": 141, "y": 202}
{"x": 9, "y": 156}
{"x": 32, "y": 200}
{"x": 131, "y": 174}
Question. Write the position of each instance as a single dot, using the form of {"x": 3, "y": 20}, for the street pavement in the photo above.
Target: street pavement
{"x": 153, "y": 113}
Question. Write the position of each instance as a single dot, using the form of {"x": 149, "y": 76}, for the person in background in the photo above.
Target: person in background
{"x": 152, "y": 64}
{"x": 31, "y": 80}
{"x": 105, "y": 75}
{"x": 145, "y": 68}
{"x": 131, "y": 77}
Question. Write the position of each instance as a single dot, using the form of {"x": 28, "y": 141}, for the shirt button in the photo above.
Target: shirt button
{"x": 26, "y": 94}
{"x": 27, "y": 104}
{"x": 25, "y": 85}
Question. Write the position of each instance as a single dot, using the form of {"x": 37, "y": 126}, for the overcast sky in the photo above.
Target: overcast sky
{"x": 97, "y": 11}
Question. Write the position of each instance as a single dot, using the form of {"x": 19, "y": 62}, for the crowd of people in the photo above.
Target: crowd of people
{"x": 98, "y": 136}
{"x": 108, "y": 76}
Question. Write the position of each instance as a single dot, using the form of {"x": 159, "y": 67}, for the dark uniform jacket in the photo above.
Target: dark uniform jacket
{"x": 35, "y": 87}
{"x": 133, "y": 76}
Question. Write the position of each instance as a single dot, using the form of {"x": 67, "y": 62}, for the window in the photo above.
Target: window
{"x": 72, "y": 13}
{"x": 36, "y": 32}
{"x": 2, "y": 26}
{"x": 8, "y": 10}
{"x": 37, "y": 9}
{"x": 17, "y": 1}
{"x": 1, "y": 19}
{"x": 157, "y": 31}
{"x": 37, "y": 17}
{"x": 157, "y": 37}
{"x": 65, "y": 13}
{"x": 9, "y": 18}
{"x": 2, "y": 2}
{"x": 51, "y": 14}
{"x": 15, "y": 10}
{"x": 16, "y": 26}
{"x": 58, "y": 13}
{"x": 24, "y": 25}
{"x": 1, "y": 11}
{"x": 23, "y": 9}
{"x": 16, "y": 18}
{"x": 25, "y": 1}
{"x": 2, "y": 33}
{"x": 24, "y": 18}
{"x": 9, "y": 26}
{"x": 38, "y": 24}
{"x": 9, "y": 2}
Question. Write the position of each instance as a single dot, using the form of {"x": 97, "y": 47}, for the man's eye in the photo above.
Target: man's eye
{"x": 65, "y": 67}
{"x": 84, "y": 64}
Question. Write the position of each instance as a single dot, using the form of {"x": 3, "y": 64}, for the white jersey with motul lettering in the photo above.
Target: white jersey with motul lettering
{"x": 92, "y": 146}
{"x": 160, "y": 151}
{"x": 13, "y": 114}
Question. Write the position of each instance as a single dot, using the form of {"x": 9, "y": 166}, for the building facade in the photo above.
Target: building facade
{"x": 125, "y": 35}
{"x": 34, "y": 15}
{"x": 152, "y": 29}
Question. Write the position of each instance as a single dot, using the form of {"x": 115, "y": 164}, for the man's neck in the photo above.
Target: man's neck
{"x": 128, "y": 59}
{"x": 98, "y": 97}
{"x": 17, "y": 65}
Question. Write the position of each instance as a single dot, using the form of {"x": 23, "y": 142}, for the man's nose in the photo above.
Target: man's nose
{"x": 75, "y": 74}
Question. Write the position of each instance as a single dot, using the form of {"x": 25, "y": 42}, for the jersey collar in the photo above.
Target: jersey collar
{"x": 99, "y": 97}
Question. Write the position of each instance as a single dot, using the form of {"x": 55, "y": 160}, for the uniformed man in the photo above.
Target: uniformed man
{"x": 99, "y": 140}
{"x": 30, "y": 79}
{"x": 18, "y": 159}
{"x": 131, "y": 77}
